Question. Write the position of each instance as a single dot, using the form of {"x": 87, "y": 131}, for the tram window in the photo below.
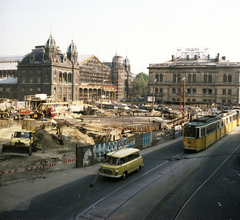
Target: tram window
{"x": 211, "y": 128}
{"x": 189, "y": 132}
{"x": 202, "y": 132}
{"x": 223, "y": 122}
{"x": 226, "y": 121}
{"x": 197, "y": 132}
{"x": 234, "y": 117}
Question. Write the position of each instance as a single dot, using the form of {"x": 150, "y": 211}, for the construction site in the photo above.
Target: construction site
{"x": 40, "y": 135}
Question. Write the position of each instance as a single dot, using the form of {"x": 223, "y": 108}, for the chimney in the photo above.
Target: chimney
{"x": 173, "y": 57}
{"x": 208, "y": 56}
{"x": 218, "y": 57}
{"x": 187, "y": 57}
{"x": 195, "y": 57}
{"x": 223, "y": 58}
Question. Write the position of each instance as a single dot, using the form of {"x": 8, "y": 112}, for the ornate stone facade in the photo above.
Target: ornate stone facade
{"x": 67, "y": 77}
{"x": 205, "y": 79}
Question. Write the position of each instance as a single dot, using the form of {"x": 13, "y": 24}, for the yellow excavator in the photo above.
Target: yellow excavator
{"x": 23, "y": 142}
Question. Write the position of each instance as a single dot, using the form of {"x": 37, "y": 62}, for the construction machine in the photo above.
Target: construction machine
{"x": 23, "y": 142}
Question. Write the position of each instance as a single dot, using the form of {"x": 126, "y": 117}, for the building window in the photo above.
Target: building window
{"x": 189, "y": 78}
{"x": 30, "y": 89}
{"x": 229, "y": 92}
{"x": 188, "y": 100}
{"x": 229, "y": 78}
{"x": 156, "y": 90}
{"x": 205, "y": 78}
{"x": 173, "y": 90}
{"x": 174, "y": 78}
{"x": 179, "y": 78}
{"x": 1, "y": 89}
{"x": 23, "y": 89}
{"x": 189, "y": 91}
{"x": 39, "y": 89}
{"x": 173, "y": 99}
{"x": 229, "y": 101}
{"x": 223, "y": 101}
{"x": 69, "y": 77}
{"x": 210, "y": 91}
{"x": 23, "y": 79}
{"x": 210, "y": 78}
{"x": 161, "y": 77}
{"x": 194, "y": 91}
{"x": 157, "y": 77}
{"x": 194, "y": 100}
{"x": 7, "y": 89}
{"x": 204, "y": 91}
{"x": 39, "y": 79}
{"x": 194, "y": 78}
{"x": 31, "y": 79}
{"x": 224, "y": 91}
{"x": 161, "y": 90}
{"x": 178, "y": 90}
{"x": 224, "y": 78}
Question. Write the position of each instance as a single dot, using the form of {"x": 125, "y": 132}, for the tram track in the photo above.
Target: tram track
{"x": 86, "y": 213}
{"x": 167, "y": 198}
{"x": 172, "y": 200}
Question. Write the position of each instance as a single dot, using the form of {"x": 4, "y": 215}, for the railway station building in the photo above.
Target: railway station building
{"x": 65, "y": 77}
{"x": 194, "y": 77}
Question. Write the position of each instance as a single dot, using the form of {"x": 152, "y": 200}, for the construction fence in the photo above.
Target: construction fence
{"x": 90, "y": 155}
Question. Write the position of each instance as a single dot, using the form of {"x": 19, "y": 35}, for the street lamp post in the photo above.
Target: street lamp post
{"x": 153, "y": 95}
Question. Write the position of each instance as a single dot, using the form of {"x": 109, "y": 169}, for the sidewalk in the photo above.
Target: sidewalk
{"x": 16, "y": 195}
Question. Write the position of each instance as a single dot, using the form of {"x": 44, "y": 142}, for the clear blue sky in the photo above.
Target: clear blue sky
{"x": 147, "y": 31}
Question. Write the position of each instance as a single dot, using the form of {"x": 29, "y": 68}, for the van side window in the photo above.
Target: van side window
{"x": 136, "y": 155}
{"x": 122, "y": 160}
{"x": 130, "y": 157}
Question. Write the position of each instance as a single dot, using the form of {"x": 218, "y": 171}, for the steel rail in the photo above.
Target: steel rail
{"x": 186, "y": 178}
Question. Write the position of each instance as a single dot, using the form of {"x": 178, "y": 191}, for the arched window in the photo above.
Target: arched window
{"x": 60, "y": 77}
{"x": 157, "y": 77}
{"x": 205, "y": 78}
{"x": 210, "y": 78}
{"x": 179, "y": 78}
{"x": 229, "y": 78}
{"x": 194, "y": 78}
{"x": 189, "y": 78}
{"x": 174, "y": 78}
{"x": 161, "y": 77}
{"x": 224, "y": 78}
{"x": 69, "y": 77}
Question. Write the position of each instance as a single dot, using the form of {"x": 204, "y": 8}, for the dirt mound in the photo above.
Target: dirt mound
{"x": 46, "y": 139}
{"x": 77, "y": 136}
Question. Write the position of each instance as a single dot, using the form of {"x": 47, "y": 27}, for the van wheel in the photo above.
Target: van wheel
{"x": 138, "y": 169}
{"x": 124, "y": 176}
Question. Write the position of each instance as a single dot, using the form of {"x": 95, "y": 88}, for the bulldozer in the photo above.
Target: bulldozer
{"x": 23, "y": 142}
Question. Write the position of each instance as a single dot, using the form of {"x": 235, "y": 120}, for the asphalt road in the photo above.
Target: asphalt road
{"x": 213, "y": 189}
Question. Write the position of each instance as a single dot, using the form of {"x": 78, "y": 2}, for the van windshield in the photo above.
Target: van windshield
{"x": 112, "y": 160}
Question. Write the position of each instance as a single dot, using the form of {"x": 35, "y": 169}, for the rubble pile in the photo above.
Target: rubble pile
{"x": 76, "y": 136}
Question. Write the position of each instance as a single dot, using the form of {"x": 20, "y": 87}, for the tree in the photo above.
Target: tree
{"x": 139, "y": 86}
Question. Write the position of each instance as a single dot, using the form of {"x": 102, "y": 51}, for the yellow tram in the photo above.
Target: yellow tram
{"x": 203, "y": 132}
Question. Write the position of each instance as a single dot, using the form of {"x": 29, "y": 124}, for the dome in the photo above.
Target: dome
{"x": 117, "y": 59}
{"x": 51, "y": 42}
{"x": 72, "y": 48}
{"x": 127, "y": 61}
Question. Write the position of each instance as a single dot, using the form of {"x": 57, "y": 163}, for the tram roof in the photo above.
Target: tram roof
{"x": 203, "y": 121}
{"x": 206, "y": 119}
